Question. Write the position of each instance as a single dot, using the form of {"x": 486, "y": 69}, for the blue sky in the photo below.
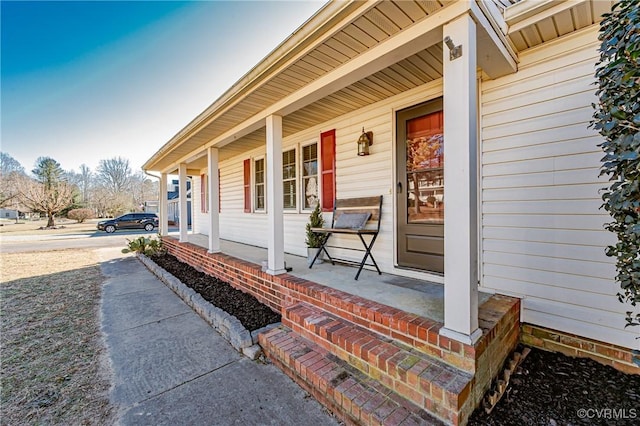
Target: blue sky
{"x": 83, "y": 81}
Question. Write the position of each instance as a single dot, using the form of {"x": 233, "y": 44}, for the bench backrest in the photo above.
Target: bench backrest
{"x": 371, "y": 205}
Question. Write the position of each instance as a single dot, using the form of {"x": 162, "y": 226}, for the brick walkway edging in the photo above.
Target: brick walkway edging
{"x": 228, "y": 326}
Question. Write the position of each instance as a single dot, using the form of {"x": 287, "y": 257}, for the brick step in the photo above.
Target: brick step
{"x": 430, "y": 383}
{"x": 355, "y": 398}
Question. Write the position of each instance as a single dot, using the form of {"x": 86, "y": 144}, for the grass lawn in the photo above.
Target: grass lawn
{"x": 65, "y": 226}
{"x": 54, "y": 363}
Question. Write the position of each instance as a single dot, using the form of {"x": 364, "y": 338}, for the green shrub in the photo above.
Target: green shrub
{"x": 316, "y": 220}
{"x": 144, "y": 245}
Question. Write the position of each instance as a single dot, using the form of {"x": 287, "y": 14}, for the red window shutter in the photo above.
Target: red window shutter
{"x": 247, "y": 186}
{"x": 328, "y": 169}
{"x": 203, "y": 193}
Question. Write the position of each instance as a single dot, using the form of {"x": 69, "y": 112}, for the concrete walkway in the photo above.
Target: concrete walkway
{"x": 171, "y": 368}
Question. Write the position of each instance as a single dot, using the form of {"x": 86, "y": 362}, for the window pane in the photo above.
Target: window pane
{"x": 310, "y": 152}
{"x": 289, "y": 164}
{"x": 310, "y": 192}
{"x": 259, "y": 197}
{"x": 289, "y": 194}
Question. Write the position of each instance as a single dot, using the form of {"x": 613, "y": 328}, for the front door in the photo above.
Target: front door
{"x": 420, "y": 186}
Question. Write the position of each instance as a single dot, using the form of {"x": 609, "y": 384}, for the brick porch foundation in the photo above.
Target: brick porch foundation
{"x": 576, "y": 346}
{"x": 367, "y": 362}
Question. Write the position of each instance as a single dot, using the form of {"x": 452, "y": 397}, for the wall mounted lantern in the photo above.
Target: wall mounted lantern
{"x": 454, "y": 51}
{"x": 365, "y": 140}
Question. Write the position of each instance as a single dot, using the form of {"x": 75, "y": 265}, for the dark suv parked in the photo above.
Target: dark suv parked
{"x": 146, "y": 221}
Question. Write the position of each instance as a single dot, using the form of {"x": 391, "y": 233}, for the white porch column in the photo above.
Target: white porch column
{"x": 163, "y": 205}
{"x": 182, "y": 194}
{"x": 460, "y": 177}
{"x": 275, "y": 197}
{"x": 214, "y": 202}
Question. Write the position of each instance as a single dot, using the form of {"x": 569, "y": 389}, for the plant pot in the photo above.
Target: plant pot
{"x": 311, "y": 253}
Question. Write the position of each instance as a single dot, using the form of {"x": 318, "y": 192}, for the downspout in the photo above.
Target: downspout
{"x": 157, "y": 177}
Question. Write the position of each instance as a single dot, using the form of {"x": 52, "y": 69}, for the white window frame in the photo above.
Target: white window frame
{"x": 302, "y": 177}
{"x": 296, "y": 167}
{"x": 254, "y": 193}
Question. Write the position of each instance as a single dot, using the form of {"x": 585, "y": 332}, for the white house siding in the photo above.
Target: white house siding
{"x": 542, "y": 235}
{"x": 355, "y": 177}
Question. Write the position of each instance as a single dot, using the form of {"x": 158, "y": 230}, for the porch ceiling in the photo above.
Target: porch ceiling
{"x": 368, "y": 26}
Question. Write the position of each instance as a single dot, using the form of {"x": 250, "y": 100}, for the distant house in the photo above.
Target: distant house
{"x": 482, "y": 151}
{"x": 151, "y": 206}
{"x": 9, "y": 214}
{"x": 173, "y": 205}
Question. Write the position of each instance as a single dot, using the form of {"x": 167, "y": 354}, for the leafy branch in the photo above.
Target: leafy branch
{"x": 617, "y": 119}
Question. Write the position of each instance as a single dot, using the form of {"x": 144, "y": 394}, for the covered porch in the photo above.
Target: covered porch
{"x": 238, "y": 146}
{"x": 419, "y": 297}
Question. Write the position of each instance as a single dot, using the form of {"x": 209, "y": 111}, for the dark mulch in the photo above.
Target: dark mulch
{"x": 251, "y": 313}
{"x": 553, "y": 389}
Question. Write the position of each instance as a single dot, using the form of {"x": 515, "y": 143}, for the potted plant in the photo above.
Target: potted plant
{"x": 313, "y": 240}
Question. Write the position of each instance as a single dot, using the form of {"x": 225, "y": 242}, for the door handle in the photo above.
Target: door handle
{"x": 399, "y": 189}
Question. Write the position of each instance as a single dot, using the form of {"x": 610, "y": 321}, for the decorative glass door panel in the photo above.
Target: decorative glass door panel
{"x": 425, "y": 169}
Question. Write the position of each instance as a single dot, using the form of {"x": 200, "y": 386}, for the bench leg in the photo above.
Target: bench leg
{"x": 367, "y": 254}
{"x": 322, "y": 248}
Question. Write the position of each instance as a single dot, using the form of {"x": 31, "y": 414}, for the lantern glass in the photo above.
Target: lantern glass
{"x": 363, "y": 144}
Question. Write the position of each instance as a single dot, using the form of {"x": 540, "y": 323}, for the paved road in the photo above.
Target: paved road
{"x": 31, "y": 243}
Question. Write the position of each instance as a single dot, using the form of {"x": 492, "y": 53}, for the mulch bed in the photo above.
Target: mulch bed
{"x": 553, "y": 389}
{"x": 247, "y": 309}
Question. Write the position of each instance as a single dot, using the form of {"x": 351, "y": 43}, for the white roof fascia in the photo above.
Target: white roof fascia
{"x": 529, "y": 12}
{"x": 497, "y": 37}
{"x": 494, "y": 14}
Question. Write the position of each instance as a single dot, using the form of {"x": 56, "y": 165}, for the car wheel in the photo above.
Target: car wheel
{"x": 148, "y": 227}
{"x": 110, "y": 229}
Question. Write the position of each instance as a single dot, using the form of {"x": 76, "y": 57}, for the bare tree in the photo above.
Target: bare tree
{"x": 10, "y": 173}
{"x": 86, "y": 178}
{"x": 49, "y": 199}
{"x": 143, "y": 188}
{"x": 50, "y": 193}
{"x": 82, "y": 181}
{"x": 115, "y": 174}
{"x": 100, "y": 200}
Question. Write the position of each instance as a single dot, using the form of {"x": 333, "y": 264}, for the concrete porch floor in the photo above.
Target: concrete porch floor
{"x": 419, "y": 297}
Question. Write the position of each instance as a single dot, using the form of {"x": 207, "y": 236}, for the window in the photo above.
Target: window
{"x": 289, "y": 178}
{"x": 310, "y": 176}
{"x": 259, "y": 190}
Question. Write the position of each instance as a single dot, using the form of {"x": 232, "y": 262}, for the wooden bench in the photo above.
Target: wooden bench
{"x": 353, "y": 216}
